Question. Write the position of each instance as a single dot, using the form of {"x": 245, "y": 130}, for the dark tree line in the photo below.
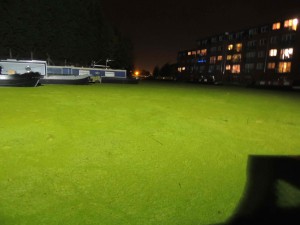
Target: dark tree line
{"x": 72, "y": 31}
{"x": 167, "y": 70}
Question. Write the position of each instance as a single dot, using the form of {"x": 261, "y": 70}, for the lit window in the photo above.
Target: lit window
{"x": 183, "y": 68}
{"x": 228, "y": 67}
{"x": 291, "y": 24}
{"x": 198, "y": 52}
{"x": 203, "y": 52}
{"x": 236, "y": 68}
{"x": 286, "y": 53}
{"x": 179, "y": 69}
{"x": 220, "y": 58}
{"x": 228, "y": 57}
{"x": 284, "y": 67}
{"x": 189, "y": 53}
{"x": 273, "y": 52}
{"x": 236, "y": 57}
{"x": 238, "y": 47}
{"x": 212, "y": 59}
{"x": 230, "y": 47}
{"x": 271, "y": 65}
{"x": 276, "y": 26}
{"x": 193, "y": 52}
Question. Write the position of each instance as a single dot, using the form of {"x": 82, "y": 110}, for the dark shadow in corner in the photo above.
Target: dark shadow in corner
{"x": 260, "y": 203}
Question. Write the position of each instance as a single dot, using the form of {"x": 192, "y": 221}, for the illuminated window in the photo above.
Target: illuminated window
{"x": 229, "y": 57}
{"x": 203, "y": 52}
{"x": 236, "y": 68}
{"x": 291, "y": 24}
{"x": 284, "y": 67}
{"x": 286, "y": 53}
{"x": 273, "y": 52}
{"x": 179, "y": 69}
{"x": 212, "y": 59}
{"x": 228, "y": 67}
{"x": 220, "y": 58}
{"x": 236, "y": 57}
{"x": 193, "y": 52}
{"x": 238, "y": 47}
{"x": 271, "y": 65}
{"x": 276, "y": 26}
{"x": 189, "y": 53}
{"x": 183, "y": 68}
{"x": 230, "y": 47}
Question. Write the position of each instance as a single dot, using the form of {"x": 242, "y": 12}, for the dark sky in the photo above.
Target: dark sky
{"x": 160, "y": 28}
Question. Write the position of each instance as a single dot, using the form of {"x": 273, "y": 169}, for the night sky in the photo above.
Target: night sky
{"x": 159, "y": 28}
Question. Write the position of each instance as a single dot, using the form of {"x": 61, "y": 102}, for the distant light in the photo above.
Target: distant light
{"x": 201, "y": 61}
{"x": 137, "y": 73}
{"x": 295, "y": 22}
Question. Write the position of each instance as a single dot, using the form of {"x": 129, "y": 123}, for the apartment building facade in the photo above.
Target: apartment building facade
{"x": 263, "y": 55}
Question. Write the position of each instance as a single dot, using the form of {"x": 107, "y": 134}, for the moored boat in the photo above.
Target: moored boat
{"x": 21, "y": 73}
{"x": 62, "y": 79}
{"x": 30, "y": 79}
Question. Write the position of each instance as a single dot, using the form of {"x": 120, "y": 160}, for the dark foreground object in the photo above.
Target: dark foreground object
{"x": 57, "y": 79}
{"x": 20, "y": 80}
{"x": 262, "y": 200}
{"x": 119, "y": 80}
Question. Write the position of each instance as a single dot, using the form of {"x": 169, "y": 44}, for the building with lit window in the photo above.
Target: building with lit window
{"x": 262, "y": 55}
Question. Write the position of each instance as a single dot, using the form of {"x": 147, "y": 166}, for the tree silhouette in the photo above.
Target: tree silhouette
{"x": 72, "y": 31}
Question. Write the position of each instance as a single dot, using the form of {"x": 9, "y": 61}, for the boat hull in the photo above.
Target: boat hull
{"x": 20, "y": 80}
{"x": 77, "y": 80}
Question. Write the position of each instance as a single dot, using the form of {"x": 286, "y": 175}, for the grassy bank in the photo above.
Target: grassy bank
{"x": 135, "y": 154}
